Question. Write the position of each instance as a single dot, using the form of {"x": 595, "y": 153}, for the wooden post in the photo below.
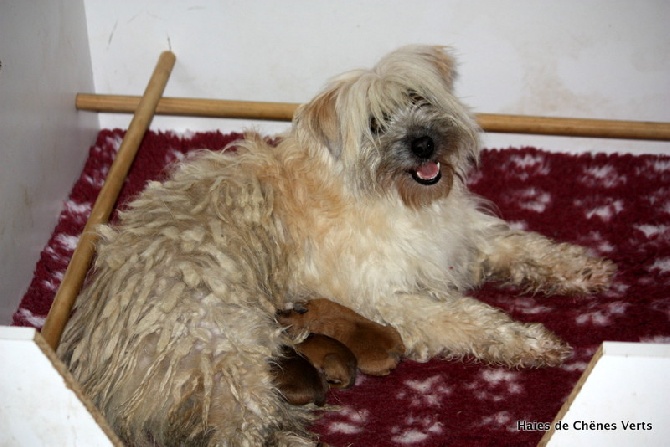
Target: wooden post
{"x": 83, "y": 254}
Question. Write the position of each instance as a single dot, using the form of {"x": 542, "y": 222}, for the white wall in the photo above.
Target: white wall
{"x": 575, "y": 58}
{"x": 45, "y": 60}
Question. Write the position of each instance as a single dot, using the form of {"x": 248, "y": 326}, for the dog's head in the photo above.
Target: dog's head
{"x": 394, "y": 129}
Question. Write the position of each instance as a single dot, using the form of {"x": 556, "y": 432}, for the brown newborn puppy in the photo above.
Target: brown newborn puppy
{"x": 304, "y": 372}
{"x": 297, "y": 380}
{"x": 331, "y": 358}
{"x": 377, "y": 348}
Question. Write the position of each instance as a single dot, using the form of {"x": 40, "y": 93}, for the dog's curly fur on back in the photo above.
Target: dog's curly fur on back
{"x": 363, "y": 201}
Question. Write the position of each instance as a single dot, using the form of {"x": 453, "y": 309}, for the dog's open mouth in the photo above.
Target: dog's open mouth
{"x": 428, "y": 173}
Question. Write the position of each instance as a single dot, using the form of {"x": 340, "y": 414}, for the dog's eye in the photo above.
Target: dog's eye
{"x": 378, "y": 126}
{"x": 375, "y": 126}
{"x": 416, "y": 98}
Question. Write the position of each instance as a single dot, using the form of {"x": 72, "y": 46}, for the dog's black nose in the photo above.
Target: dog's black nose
{"x": 423, "y": 147}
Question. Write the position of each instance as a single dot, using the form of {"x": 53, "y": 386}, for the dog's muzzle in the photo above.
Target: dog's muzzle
{"x": 429, "y": 172}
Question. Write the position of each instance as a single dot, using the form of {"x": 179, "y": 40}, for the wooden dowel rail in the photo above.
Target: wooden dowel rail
{"x": 279, "y": 111}
{"x": 574, "y": 127}
{"x": 83, "y": 254}
{"x": 197, "y": 107}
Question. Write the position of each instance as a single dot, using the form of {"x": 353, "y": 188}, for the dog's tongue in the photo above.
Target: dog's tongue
{"x": 428, "y": 170}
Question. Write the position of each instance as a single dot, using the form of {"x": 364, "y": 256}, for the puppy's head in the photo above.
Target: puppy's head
{"x": 395, "y": 130}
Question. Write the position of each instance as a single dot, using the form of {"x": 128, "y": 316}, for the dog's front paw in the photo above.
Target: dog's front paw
{"x": 598, "y": 273}
{"x": 546, "y": 350}
{"x": 584, "y": 275}
{"x": 537, "y": 264}
{"x": 527, "y": 345}
{"x": 573, "y": 272}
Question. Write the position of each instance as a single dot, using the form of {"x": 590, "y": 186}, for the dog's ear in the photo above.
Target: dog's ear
{"x": 319, "y": 119}
{"x": 420, "y": 62}
{"x": 442, "y": 61}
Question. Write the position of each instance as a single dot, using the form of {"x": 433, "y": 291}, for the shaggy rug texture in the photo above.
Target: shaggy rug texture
{"x": 618, "y": 205}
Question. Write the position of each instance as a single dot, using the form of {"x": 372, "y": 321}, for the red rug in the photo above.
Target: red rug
{"x": 618, "y": 205}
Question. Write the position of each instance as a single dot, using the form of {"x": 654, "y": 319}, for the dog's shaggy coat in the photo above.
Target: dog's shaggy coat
{"x": 363, "y": 202}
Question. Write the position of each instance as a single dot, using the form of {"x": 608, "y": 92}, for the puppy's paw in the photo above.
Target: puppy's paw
{"x": 294, "y": 318}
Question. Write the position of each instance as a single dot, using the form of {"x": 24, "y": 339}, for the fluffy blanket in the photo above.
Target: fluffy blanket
{"x": 618, "y": 205}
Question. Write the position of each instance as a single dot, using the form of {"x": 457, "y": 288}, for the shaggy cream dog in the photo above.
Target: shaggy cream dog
{"x": 363, "y": 202}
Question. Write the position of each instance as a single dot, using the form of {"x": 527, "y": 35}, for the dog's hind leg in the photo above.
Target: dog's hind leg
{"x": 247, "y": 410}
{"x": 203, "y": 378}
{"x": 537, "y": 264}
{"x": 245, "y": 407}
{"x": 457, "y": 327}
